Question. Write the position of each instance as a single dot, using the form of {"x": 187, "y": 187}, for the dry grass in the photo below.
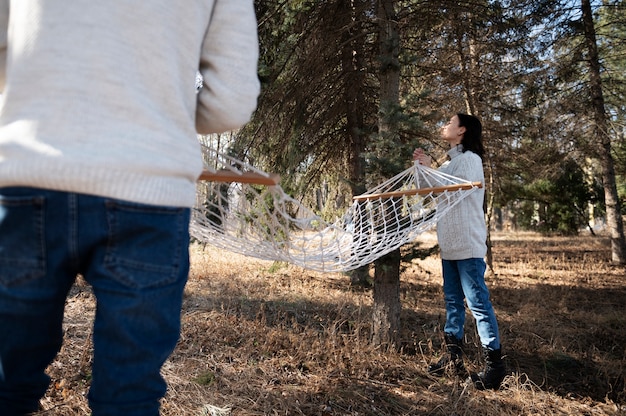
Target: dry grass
{"x": 295, "y": 342}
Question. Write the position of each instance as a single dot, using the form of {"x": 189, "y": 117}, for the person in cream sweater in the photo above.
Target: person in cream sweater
{"x": 99, "y": 157}
{"x": 462, "y": 237}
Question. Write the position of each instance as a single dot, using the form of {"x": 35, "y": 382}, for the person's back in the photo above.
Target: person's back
{"x": 100, "y": 96}
{"x": 98, "y": 164}
{"x": 462, "y": 232}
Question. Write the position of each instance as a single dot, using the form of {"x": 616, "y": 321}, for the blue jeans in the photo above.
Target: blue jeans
{"x": 465, "y": 280}
{"x": 136, "y": 259}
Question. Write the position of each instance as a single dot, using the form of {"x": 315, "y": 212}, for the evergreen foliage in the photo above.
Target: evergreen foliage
{"x": 520, "y": 65}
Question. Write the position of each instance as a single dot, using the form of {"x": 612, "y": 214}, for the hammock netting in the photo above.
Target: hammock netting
{"x": 248, "y": 214}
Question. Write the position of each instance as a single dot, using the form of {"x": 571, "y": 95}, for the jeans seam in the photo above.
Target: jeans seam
{"x": 72, "y": 213}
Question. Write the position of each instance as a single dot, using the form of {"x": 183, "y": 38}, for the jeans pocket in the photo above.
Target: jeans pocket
{"x": 148, "y": 245}
{"x": 22, "y": 246}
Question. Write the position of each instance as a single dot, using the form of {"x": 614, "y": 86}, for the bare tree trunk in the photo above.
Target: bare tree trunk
{"x": 386, "y": 313}
{"x": 613, "y": 212}
{"x": 389, "y": 72}
{"x": 467, "y": 63}
{"x": 354, "y": 80}
{"x": 470, "y": 71}
{"x": 386, "y": 316}
{"x": 352, "y": 68}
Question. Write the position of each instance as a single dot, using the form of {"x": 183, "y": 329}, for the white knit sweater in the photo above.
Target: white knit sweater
{"x": 462, "y": 232}
{"x": 99, "y": 97}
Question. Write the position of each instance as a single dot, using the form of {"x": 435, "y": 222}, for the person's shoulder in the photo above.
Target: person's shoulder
{"x": 469, "y": 155}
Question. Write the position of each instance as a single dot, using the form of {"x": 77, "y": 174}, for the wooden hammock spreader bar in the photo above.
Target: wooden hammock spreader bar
{"x": 420, "y": 191}
{"x": 225, "y": 175}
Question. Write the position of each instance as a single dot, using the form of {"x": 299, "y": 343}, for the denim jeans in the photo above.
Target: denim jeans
{"x": 136, "y": 259}
{"x": 465, "y": 280}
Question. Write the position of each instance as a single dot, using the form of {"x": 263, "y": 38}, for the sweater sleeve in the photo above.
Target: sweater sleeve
{"x": 228, "y": 65}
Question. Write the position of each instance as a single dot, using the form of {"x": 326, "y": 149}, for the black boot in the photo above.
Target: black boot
{"x": 453, "y": 358}
{"x": 494, "y": 372}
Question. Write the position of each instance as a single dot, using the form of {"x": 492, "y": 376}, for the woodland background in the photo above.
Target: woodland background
{"x": 351, "y": 87}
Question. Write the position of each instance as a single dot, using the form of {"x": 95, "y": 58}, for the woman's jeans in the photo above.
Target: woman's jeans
{"x": 465, "y": 280}
{"x": 136, "y": 259}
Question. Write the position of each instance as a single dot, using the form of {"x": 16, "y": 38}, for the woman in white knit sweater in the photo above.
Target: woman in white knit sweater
{"x": 462, "y": 235}
{"x": 98, "y": 165}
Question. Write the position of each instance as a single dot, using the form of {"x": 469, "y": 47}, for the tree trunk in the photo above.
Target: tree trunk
{"x": 613, "y": 212}
{"x": 469, "y": 64}
{"x": 389, "y": 71}
{"x": 354, "y": 80}
{"x": 386, "y": 313}
{"x": 386, "y": 316}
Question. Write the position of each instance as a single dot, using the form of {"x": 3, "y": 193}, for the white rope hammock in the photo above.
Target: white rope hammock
{"x": 244, "y": 210}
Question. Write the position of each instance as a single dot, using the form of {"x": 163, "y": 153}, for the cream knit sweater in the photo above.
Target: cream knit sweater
{"x": 99, "y": 97}
{"x": 462, "y": 232}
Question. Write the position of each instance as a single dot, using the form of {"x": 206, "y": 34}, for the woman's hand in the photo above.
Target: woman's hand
{"x": 421, "y": 157}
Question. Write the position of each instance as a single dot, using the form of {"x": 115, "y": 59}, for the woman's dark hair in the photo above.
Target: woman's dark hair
{"x": 472, "y": 139}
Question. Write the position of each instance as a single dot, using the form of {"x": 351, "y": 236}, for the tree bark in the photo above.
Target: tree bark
{"x": 386, "y": 316}
{"x": 353, "y": 71}
{"x": 613, "y": 212}
{"x": 469, "y": 64}
{"x": 386, "y": 313}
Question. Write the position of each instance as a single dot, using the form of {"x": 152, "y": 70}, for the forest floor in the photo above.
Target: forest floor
{"x": 258, "y": 339}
